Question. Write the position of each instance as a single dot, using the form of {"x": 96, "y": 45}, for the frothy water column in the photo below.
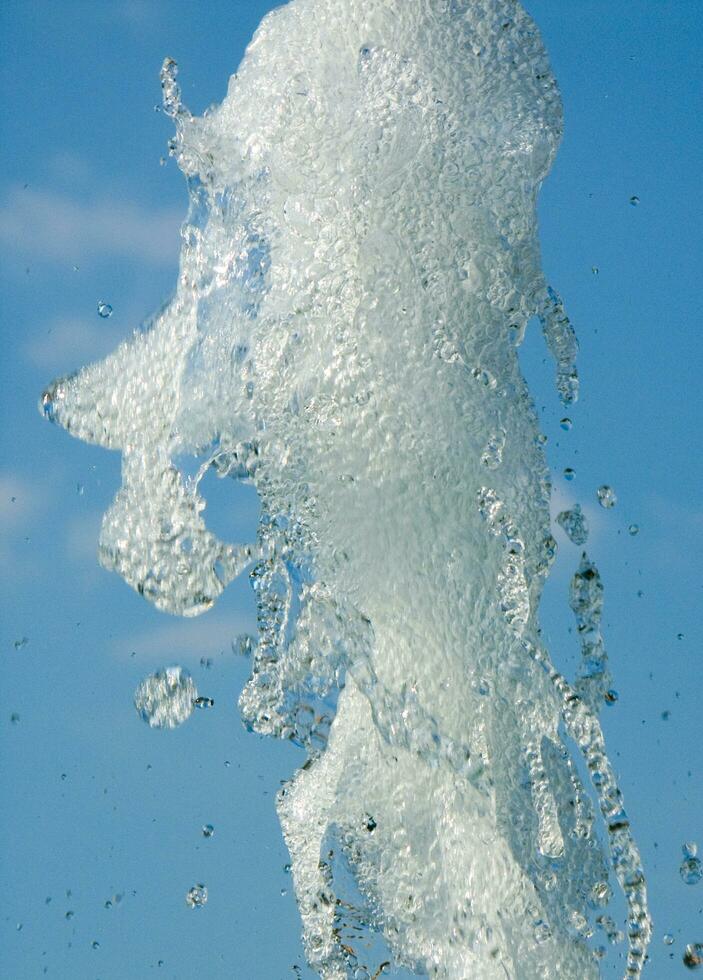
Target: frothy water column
{"x": 359, "y": 264}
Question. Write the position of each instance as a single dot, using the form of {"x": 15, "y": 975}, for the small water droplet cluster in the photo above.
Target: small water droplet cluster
{"x": 196, "y": 897}
{"x": 165, "y": 699}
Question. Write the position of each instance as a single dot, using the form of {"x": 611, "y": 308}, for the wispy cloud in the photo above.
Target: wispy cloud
{"x": 58, "y": 228}
{"x": 188, "y": 640}
{"x": 69, "y": 343}
{"x": 19, "y": 503}
{"x": 136, "y": 13}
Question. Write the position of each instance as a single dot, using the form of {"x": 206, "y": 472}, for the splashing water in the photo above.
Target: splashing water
{"x": 359, "y": 264}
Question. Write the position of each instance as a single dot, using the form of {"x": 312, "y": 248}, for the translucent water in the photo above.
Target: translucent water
{"x": 166, "y": 699}
{"x": 359, "y": 264}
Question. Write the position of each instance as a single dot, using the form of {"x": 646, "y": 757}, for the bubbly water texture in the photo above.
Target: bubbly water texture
{"x": 359, "y": 264}
{"x": 166, "y": 699}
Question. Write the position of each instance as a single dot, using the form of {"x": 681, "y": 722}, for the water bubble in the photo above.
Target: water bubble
{"x": 693, "y": 956}
{"x": 197, "y": 896}
{"x": 574, "y": 524}
{"x": 69, "y": 915}
{"x": 606, "y": 496}
{"x": 104, "y": 309}
{"x": 690, "y": 849}
{"x": 634, "y": 200}
{"x": 484, "y": 377}
{"x": 566, "y": 423}
{"x": 208, "y": 830}
{"x": 569, "y": 473}
{"x": 165, "y": 699}
{"x": 633, "y": 529}
{"x": 668, "y": 939}
{"x": 96, "y": 944}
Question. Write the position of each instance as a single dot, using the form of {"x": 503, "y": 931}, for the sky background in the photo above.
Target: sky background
{"x": 94, "y": 804}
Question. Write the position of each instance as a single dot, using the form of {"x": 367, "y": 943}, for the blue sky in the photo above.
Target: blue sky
{"x": 96, "y": 804}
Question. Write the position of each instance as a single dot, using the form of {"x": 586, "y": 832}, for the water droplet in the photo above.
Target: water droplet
{"x": 668, "y": 939}
{"x": 566, "y": 424}
{"x": 693, "y": 956}
{"x": 171, "y": 92}
{"x": 634, "y": 200}
{"x": 633, "y": 529}
{"x": 574, "y": 524}
{"x": 601, "y": 893}
{"x": 197, "y": 896}
{"x": 243, "y": 645}
{"x": 606, "y": 496}
{"x": 104, "y": 309}
{"x": 691, "y": 870}
{"x": 203, "y": 702}
{"x": 208, "y": 830}
{"x": 165, "y": 699}
{"x": 569, "y": 473}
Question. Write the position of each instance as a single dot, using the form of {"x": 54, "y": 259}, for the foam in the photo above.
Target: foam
{"x": 359, "y": 265}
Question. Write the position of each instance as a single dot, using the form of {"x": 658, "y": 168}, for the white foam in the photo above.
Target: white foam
{"x": 359, "y": 265}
